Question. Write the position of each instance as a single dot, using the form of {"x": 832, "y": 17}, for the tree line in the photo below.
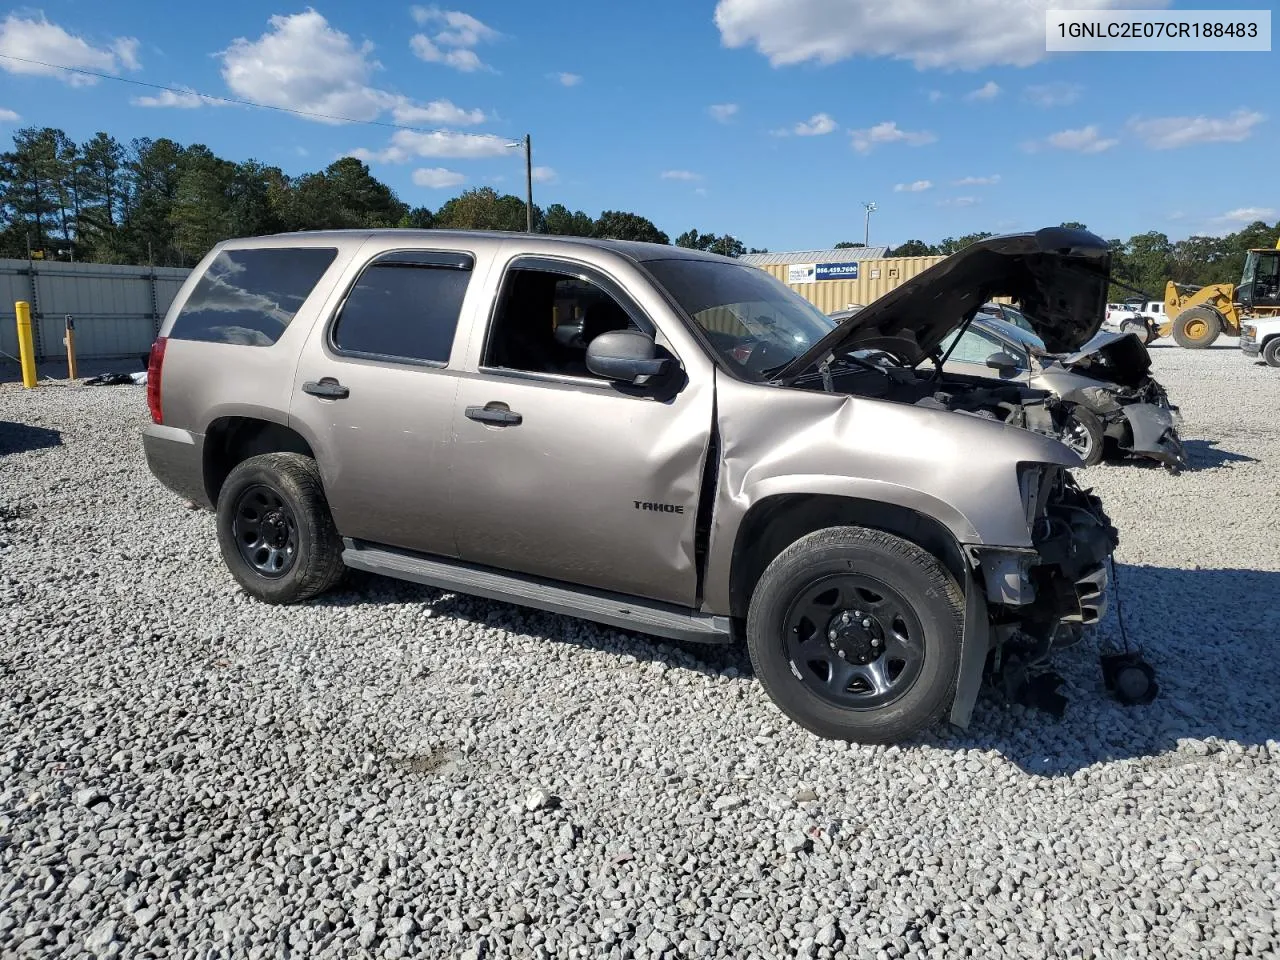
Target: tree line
{"x": 158, "y": 201}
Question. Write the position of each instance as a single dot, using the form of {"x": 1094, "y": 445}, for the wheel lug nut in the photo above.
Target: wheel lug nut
{"x": 832, "y": 634}
{"x": 875, "y": 643}
{"x": 866, "y": 623}
{"x": 841, "y": 655}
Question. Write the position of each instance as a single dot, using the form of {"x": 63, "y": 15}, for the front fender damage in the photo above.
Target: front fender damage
{"x": 1154, "y": 433}
{"x": 1023, "y": 605}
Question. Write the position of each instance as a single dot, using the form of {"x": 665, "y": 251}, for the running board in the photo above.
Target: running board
{"x": 616, "y": 610}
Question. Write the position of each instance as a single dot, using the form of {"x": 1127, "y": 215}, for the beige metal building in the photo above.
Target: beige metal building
{"x": 833, "y": 279}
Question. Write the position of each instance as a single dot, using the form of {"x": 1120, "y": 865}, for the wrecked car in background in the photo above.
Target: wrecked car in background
{"x": 1105, "y": 388}
{"x": 1089, "y": 390}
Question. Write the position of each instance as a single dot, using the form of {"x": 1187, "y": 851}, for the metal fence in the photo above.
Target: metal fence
{"x": 117, "y": 309}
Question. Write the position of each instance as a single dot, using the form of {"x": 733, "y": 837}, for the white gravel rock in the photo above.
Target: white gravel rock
{"x": 338, "y": 779}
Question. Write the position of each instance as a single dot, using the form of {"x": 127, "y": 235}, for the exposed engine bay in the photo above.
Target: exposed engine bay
{"x": 882, "y": 379}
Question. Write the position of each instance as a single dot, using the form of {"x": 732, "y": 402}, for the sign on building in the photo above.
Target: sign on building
{"x": 836, "y": 271}
{"x": 801, "y": 273}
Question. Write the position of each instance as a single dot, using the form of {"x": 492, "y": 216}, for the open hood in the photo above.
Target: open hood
{"x": 1115, "y": 357}
{"x": 1059, "y": 277}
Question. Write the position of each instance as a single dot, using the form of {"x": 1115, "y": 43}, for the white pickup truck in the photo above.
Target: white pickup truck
{"x": 1136, "y": 316}
{"x": 1260, "y": 336}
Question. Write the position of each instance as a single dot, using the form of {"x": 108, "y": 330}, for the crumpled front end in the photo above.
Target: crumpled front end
{"x": 1134, "y": 408}
{"x": 1041, "y": 599}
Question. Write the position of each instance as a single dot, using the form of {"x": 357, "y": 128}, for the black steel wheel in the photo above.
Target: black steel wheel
{"x": 855, "y": 635}
{"x": 274, "y": 529}
{"x": 266, "y": 531}
{"x": 855, "y": 641}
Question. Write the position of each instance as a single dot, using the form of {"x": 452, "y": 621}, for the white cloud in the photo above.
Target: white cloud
{"x": 466, "y": 61}
{"x": 919, "y": 186}
{"x": 966, "y": 35}
{"x": 302, "y": 63}
{"x": 1054, "y": 94}
{"x": 723, "y": 112}
{"x": 1169, "y": 133}
{"x": 437, "y": 178}
{"x": 39, "y": 39}
{"x": 566, "y": 79}
{"x": 437, "y": 111}
{"x": 183, "y": 98}
{"x": 457, "y": 33}
{"x": 1084, "y": 140}
{"x": 819, "y": 125}
{"x": 936, "y": 96}
{"x": 405, "y": 145}
{"x": 958, "y": 202}
{"x": 888, "y": 132}
{"x": 544, "y": 175}
{"x": 700, "y": 191}
{"x": 8, "y": 116}
{"x": 988, "y": 91}
{"x": 990, "y": 181}
{"x": 1246, "y": 215}
{"x": 680, "y": 175}
{"x": 461, "y": 29}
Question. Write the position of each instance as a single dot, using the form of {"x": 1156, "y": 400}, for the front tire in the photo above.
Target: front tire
{"x": 1085, "y": 435}
{"x": 1197, "y": 328}
{"x": 274, "y": 529}
{"x": 1271, "y": 352}
{"x": 855, "y": 635}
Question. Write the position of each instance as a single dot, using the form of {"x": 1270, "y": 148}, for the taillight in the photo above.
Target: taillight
{"x": 155, "y": 363}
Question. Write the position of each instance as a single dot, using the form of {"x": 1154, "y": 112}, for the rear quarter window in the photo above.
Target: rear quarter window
{"x": 249, "y": 297}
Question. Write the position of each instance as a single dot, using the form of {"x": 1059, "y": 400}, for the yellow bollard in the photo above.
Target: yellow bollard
{"x": 26, "y": 348}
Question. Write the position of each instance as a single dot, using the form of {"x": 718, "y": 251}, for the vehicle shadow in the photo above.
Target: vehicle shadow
{"x": 1210, "y": 634}
{"x": 1202, "y": 454}
{"x": 21, "y": 437}
{"x": 1213, "y": 652}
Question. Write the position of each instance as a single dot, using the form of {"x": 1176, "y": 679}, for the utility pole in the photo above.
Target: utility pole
{"x": 527, "y": 145}
{"x": 528, "y": 183}
{"x": 866, "y": 237}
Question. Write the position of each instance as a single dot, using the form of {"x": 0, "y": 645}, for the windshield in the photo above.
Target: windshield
{"x": 755, "y": 322}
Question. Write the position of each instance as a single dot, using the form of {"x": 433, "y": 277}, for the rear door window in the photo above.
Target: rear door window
{"x": 404, "y": 307}
{"x": 249, "y": 297}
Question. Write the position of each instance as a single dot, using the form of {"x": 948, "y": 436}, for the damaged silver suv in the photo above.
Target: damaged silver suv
{"x": 649, "y": 437}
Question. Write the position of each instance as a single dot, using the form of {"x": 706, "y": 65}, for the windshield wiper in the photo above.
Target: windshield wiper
{"x": 824, "y": 368}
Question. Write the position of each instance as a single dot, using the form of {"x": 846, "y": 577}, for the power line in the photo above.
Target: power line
{"x": 206, "y": 96}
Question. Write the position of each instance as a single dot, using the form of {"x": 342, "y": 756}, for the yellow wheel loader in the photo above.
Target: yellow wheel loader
{"x": 1197, "y": 315}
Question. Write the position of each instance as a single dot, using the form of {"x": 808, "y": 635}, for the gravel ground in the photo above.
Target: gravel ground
{"x": 391, "y": 771}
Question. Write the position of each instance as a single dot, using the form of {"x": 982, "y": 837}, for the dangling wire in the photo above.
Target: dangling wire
{"x": 1124, "y": 635}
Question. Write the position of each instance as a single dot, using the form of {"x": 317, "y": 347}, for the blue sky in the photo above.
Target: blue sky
{"x": 768, "y": 119}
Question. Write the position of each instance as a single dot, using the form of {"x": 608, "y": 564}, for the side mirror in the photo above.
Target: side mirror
{"x": 628, "y": 356}
{"x": 1002, "y": 361}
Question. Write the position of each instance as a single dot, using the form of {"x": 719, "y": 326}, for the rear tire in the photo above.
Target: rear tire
{"x": 1197, "y": 328}
{"x": 1271, "y": 352}
{"x": 274, "y": 529}
{"x": 901, "y": 653}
